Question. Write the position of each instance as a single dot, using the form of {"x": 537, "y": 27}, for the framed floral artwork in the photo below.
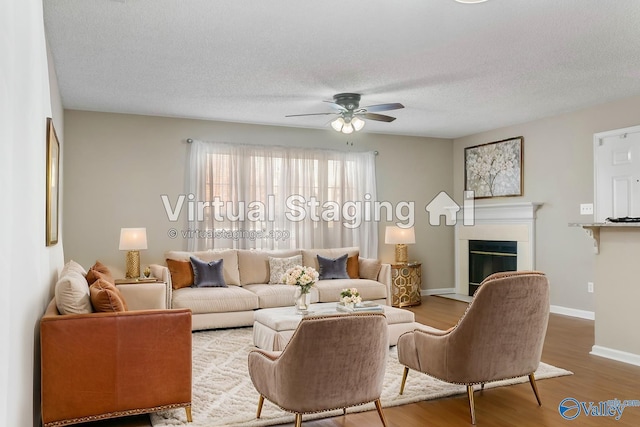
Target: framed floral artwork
{"x": 53, "y": 184}
{"x": 494, "y": 169}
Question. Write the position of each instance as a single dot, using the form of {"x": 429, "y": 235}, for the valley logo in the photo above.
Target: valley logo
{"x": 570, "y": 408}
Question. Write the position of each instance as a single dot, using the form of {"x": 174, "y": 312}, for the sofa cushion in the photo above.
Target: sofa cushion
{"x": 254, "y": 264}
{"x": 333, "y": 268}
{"x": 72, "y": 294}
{"x": 208, "y": 274}
{"x": 181, "y": 273}
{"x": 279, "y": 266}
{"x": 270, "y": 296}
{"x": 230, "y": 257}
{"x": 310, "y": 256}
{"x": 215, "y": 300}
{"x": 329, "y": 290}
{"x": 369, "y": 268}
{"x": 105, "y": 297}
{"x": 99, "y": 271}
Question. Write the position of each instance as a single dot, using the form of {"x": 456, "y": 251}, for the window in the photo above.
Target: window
{"x": 269, "y": 197}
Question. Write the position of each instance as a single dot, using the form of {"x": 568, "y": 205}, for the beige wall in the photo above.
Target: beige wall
{"x": 558, "y": 171}
{"x": 117, "y": 166}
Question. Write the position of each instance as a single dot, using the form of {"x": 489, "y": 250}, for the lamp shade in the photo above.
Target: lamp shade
{"x": 399, "y": 236}
{"x": 133, "y": 239}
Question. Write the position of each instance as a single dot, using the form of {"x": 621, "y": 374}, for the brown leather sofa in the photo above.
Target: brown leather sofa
{"x": 106, "y": 365}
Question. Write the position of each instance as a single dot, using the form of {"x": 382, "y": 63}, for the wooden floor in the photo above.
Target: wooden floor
{"x": 567, "y": 345}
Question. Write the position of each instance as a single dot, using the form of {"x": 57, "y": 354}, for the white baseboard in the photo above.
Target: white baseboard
{"x": 620, "y": 356}
{"x": 573, "y": 312}
{"x": 439, "y": 291}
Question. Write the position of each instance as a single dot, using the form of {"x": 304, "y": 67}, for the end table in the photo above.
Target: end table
{"x": 406, "y": 282}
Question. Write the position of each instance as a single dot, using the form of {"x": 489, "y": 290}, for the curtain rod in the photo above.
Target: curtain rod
{"x": 190, "y": 140}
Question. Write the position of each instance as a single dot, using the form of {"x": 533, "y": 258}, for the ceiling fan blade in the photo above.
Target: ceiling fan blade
{"x": 311, "y": 114}
{"x": 384, "y": 107}
{"x": 378, "y": 117}
{"x": 334, "y": 105}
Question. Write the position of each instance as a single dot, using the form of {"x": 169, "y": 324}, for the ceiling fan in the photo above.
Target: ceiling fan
{"x": 350, "y": 114}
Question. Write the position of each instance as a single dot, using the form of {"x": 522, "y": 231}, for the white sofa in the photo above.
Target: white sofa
{"x": 246, "y": 273}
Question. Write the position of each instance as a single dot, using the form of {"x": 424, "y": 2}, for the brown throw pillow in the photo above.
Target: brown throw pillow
{"x": 353, "y": 267}
{"x": 105, "y": 297}
{"x": 181, "y": 273}
{"x": 104, "y": 273}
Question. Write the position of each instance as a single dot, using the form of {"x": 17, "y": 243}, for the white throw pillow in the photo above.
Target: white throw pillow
{"x": 72, "y": 294}
{"x": 279, "y": 266}
{"x": 73, "y": 266}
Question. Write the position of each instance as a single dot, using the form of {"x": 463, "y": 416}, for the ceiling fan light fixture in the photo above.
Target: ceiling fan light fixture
{"x": 347, "y": 128}
{"x": 357, "y": 123}
{"x": 337, "y": 124}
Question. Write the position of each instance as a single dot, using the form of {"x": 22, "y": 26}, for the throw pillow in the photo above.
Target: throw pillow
{"x": 105, "y": 297}
{"x": 72, "y": 294}
{"x": 181, "y": 273}
{"x": 99, "y": 267}
{"x": 230, "y": 256}
{"x": 370, "y": 268}
{"x": 208, "y": 274}
{"x": 353, "y": 267}
{"x": 279, "y": 266}
{"x": 333, "y": 268}
{"x": 73, "y": 266}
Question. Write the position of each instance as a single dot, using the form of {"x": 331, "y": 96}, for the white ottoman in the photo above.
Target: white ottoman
{"x": 273, "y": 327}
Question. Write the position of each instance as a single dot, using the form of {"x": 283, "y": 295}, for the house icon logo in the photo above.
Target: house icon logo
{"x": 444, "y": 205}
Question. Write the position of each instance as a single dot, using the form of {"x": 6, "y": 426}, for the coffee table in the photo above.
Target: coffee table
{"x": 274, "y": 327}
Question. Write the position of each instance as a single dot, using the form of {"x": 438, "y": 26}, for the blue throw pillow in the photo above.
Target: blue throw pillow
{"x": 207, "y": 274}
{"x": 333, "y": 268}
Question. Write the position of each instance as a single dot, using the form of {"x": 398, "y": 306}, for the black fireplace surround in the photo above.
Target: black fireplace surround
{"x": 490, "y": 256}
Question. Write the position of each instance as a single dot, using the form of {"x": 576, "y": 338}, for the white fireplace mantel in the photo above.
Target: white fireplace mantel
{"x": 504, "y": 221}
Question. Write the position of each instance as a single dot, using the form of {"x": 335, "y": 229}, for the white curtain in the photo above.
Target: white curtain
{"x": 266, "y": 197}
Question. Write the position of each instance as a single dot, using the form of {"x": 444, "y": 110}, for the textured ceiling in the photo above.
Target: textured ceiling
{"x": 458, "y": 69}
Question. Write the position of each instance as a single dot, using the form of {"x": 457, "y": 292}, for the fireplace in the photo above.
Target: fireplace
{"x": 490, "y": 256}
{"x": 508, "y": 222}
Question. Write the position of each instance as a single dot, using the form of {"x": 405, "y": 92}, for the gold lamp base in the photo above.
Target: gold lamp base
{"x": 133, "y": 265}
{"x": 401, "y": 253}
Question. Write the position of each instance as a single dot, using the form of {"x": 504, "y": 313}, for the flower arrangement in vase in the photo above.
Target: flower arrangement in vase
{"x": 350, "y": 297}
{"x": 303, "y": 278}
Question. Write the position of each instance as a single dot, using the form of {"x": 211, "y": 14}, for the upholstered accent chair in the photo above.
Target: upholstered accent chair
{"x": 500, "y": 336}
{"x": 331, "y": 362}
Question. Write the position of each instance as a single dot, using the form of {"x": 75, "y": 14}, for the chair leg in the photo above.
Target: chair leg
{"x": 344, "y": 411}
{"x": 532, "y": 380}
{"x": 188, "y": 411}
{"x": 260, "y": 402}
{"x": 471, "y": 404}
{"x": 298, "y": 420}
{"x": 404, "y": 379}
{"x": 380, "y": 413}
{"x": 481, "y": 386}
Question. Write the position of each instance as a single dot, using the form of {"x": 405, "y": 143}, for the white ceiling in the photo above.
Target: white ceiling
{"x": 458, "y": 69}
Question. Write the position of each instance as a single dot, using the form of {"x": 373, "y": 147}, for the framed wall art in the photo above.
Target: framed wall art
{"x": 494, "y": 169}
{"x": 53, "y": 184}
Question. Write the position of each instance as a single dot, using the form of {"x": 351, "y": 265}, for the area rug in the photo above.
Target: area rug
{"x": 223, "y": 394}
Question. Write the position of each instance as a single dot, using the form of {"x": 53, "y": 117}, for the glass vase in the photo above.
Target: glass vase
{"x": 301, "y": 301}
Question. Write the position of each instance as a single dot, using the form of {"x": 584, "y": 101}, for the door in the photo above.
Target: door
{"x": 617, "y": 174}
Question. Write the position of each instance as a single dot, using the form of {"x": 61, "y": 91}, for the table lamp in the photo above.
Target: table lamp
{"x": 133, "y": 240}
{"x": 400, "y": 237}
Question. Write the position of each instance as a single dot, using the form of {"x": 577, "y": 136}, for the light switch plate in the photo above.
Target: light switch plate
{"x": 586, "y": 209}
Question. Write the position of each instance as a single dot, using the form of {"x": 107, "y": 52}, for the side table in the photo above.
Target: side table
{"x": 406, "y": 282}
{"x": 144, "y": 294}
